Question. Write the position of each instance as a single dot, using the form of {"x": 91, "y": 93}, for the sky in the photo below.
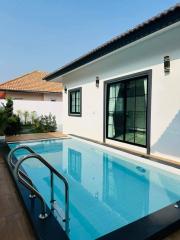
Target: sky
{"x": 46, "y": 34}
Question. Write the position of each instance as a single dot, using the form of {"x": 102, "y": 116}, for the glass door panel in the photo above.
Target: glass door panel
{"x": 115, "y": 116}
{"x": 141, "y": 108}
{"x": 129, "y": 111}
{"x": 126, "y": 111}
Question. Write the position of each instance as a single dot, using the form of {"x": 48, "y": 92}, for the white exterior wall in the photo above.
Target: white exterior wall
{"x": 25, "y": 96}
{"x": 53, "y": 97}
{"x": 34, "y": 96}
{"x": 137, "y": 57}
{"x": 41, "y": 108}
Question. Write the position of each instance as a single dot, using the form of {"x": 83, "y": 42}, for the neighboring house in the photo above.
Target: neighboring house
{"x": 31, "y": 87}
{"x": 127, "y": 92}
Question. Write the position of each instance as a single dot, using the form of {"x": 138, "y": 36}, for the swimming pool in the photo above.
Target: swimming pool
{"x": 108, "y": 189}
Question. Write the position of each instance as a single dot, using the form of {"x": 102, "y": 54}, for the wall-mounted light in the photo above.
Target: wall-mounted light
{"x": 65, "y": 89}
{"x": 97, "y": 81}
{"x": 166, "y": 64}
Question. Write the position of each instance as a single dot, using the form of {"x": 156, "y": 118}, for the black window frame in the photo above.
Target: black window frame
{"x": 70, "y": 113}
{"x": 148, "y": 74}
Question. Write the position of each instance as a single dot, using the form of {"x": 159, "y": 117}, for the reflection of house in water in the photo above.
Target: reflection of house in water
{"x": 121, "y": 182}
{"x": 113, "y": 184}
{"x": 74, "y": 164}
{"x": 106, "y": 186}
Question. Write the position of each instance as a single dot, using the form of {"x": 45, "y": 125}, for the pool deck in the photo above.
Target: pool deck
{"x": 35, "y": 136}
{"x": 174, "y": 236}
{"x": 14, "y": 223}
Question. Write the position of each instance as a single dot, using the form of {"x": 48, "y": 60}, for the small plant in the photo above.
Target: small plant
{"x": 33, "y": 117}
{"x": 11, "y": 124}
{"x": 26, "y": 116}
{"x": 19, "y": 113}
{"x": 52, "y": 123}
{"x": 45, "y": 123}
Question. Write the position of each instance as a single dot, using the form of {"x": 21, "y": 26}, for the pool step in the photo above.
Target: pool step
{"x": 58, "y": 212}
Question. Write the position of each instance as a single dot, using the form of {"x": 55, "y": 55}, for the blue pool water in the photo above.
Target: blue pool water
{"x": 107, "y": 190}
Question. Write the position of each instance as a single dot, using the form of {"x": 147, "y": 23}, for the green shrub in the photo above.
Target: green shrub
{"x": 45, "y": 123}
{"x": 10, "y": 123}
{"x": 13, "y": 125}
{"x": 8, "y": 107}
{"x": 3, "y": 121}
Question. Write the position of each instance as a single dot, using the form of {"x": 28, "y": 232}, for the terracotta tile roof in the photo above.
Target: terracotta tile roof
{"x": 31, "y": 82}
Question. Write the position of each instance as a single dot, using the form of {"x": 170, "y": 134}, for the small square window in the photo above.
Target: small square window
{"x": 75, "y": 102}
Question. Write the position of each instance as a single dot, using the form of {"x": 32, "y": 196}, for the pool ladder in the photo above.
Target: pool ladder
{"x": 26, "y": 181}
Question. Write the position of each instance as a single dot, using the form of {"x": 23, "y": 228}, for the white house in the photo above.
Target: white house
{"x": 126, "y": 92}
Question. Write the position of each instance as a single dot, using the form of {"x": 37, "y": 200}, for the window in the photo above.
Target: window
{"x": 74, "y": 164}
{"x": 75, "y": 102}
{"x": 127, "y": 110}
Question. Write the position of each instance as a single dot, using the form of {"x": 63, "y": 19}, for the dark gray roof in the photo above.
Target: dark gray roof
{"x": 160, "y": 21}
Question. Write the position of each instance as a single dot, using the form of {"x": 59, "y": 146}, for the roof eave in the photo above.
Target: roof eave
{"x": 155, "y": 24}
{"x": 27, "y": 91}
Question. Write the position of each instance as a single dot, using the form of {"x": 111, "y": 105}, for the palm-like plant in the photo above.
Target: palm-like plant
{"x": 33, "y": 116}
{"x": 19, "y": 113}
{"x": 26, "y": 116}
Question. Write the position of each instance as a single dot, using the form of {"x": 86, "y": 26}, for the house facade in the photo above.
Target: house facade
{"x": 127, "y": 92}
{"x": 31, "y": 87}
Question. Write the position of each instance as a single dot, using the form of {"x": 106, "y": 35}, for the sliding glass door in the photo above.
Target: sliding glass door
{"x": 127, "y": 110}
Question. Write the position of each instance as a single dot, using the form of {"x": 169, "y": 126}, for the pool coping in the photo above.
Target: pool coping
{"x": 38, "y": 140}
{"x": 141, "y": 155}
{"x": 154, "y": 226}
{"x": 138, "y": 154}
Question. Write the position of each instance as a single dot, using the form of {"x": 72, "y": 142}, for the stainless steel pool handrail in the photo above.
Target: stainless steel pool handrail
{"x": 22, "y": 179}
{"x": 9, "y": 158}
{"x": 11, "y": 164}
{"x": 30, "y": 187}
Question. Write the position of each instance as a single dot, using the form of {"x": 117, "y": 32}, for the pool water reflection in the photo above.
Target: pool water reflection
{"x": 107, "y": 190}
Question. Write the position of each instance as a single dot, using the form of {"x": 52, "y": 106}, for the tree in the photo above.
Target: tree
{"x": 3, "y": 121}
{"x": 10, "y": 123}
{"x": 8, "y": 107}
{"x": 13, "y": 125}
